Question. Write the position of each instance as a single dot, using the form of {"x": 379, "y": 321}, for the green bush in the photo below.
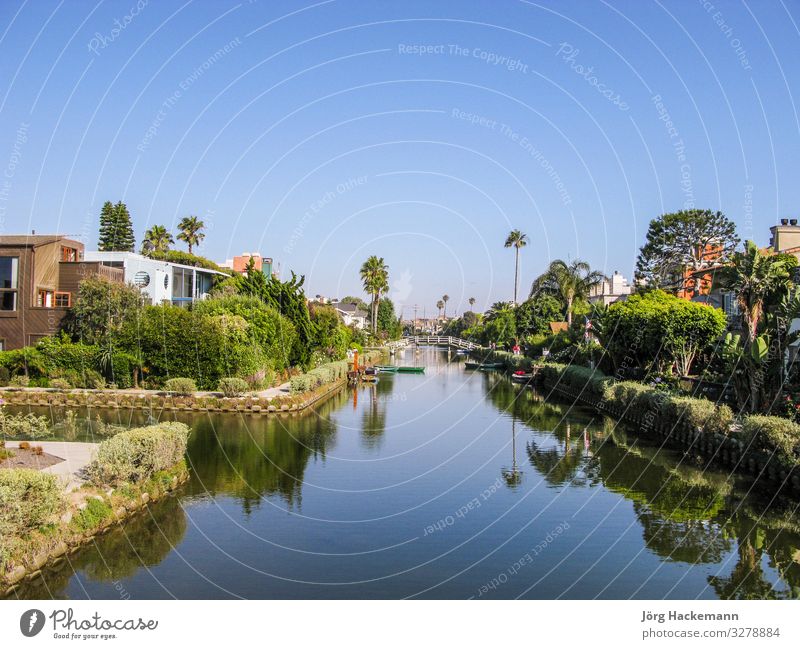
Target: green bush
{"x": 772, "y": 435}
{"x": 28, "y": 499}
{"x": 697, "y": 414}
{"x": 180, "y": 386}
{"x": 136, "y": 455}
{"x": 20, "y": 381}
{"x": 232, "y": 386}
{"x": 327, "y": 373}
{"x": 5, "y": 376}
{"x": 60, "y": 384}
{"x": 585, "y": 378}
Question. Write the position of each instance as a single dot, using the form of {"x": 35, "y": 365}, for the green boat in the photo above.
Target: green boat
{"x": 474, "y": 365}
{"x": 408, "y": 369}
{"x": 386, "y": 368}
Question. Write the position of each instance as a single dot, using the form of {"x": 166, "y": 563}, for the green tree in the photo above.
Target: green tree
{"x": 157, "y": 239}
{"x": 471, "y": 303}
{"x": 516, "y": 240}
{"x": 116, "y": 229}
{"x": 375, "y": 278}
{"x": 445, "y": 300}
{"x": 689, "y": 239}
{"x": 440, "y": 306}
{"x": 388, "y": 322}
{"x": 500, "y": 324}
{"x": 535, "y": 314}
{"x": 191, "y": 231}
{"x": 570, "y": 282}
{"x": 656, "y": 330}
{"x": 762, "y": 284}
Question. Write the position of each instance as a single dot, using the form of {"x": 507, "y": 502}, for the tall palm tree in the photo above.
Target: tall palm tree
{"x": 516, "y": 240}
{"x": 191, "y": 231}
{"x": 567, "y": 281}
{"x": 440, "y": 306}
{"x": 375, "y": 279}
{"x": 157, "y": 239}
{"x": 471, "y": 303}
{"x": 445, "y": 299}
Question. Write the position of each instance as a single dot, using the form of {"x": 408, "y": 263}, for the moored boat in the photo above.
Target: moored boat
{"x": 410, "y": 369}
{"x": 474, "y": 365}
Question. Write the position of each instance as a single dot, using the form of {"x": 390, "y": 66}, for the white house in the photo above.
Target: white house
{"x": 352, "y": 315}
{"x": 160, "y": 281}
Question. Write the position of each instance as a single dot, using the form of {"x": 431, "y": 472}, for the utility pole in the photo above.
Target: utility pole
{"x": 416, "y": 306}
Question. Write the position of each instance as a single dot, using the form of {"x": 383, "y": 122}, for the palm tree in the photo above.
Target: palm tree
{"x": 375, "y": 279}
{"x": 569, "y": 282}
{"x": 445, "y": 298}
{"x": 157, "y": 239}
{"x": 516, "y": 240}
{"x": 471, "y": 303}
{"x": 191, "y": 231}
{"x": 440, "y": 306}
{"x": 756, "y": 278}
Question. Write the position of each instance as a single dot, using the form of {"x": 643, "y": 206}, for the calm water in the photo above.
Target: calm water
{"x": 444, "y": 485}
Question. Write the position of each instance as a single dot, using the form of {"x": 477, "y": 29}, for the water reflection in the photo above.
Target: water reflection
{"x": 688, "y": 515}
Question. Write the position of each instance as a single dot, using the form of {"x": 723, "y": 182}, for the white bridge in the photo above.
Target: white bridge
{"x": 449, "y": 341}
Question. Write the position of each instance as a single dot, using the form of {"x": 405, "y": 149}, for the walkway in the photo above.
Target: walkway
{"x": 76, "y": 456}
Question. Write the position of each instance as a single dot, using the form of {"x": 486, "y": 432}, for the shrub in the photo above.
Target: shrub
{"x": 5, "y": 376}
{"x": 232, "y": 387}
{"x": 697, "y": 414}
{"x": 136, "y": 455}
{"x": 60, "y": 384}
{"x": 24, "y": 446}
{"x": 28, "y": 499}
{"x": 327, "y": 373}
{"x": 585, "y": 378}
{"x": 180, "y": 386}
{"x": 37, "y": 450}
{"x": 20, "y": 381}
{"x": 5, "y": 454}
{"x": 772, "y": 435}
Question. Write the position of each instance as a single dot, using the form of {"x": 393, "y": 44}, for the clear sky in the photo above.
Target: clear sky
{"x": 319, "y": 133}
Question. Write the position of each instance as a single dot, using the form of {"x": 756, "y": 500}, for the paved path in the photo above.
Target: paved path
{"x": 76, "y": 456}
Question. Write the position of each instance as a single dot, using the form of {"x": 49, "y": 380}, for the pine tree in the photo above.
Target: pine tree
{"x": 124, "y": 239}
{"x": 116, "y": 229}
{"x": 106, "y": 237}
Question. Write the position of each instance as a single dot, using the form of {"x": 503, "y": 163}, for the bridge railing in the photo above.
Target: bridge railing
{"x": 450, "y": 341}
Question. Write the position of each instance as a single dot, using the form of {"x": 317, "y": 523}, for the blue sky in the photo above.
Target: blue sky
{"x": 320, "y": 133}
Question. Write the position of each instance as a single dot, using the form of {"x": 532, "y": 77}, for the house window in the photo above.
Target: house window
{"x": 68, "y": 254}
{"x": 63, "y": 299}
{"x": 44, "y": 298}
{"x": 8, "y": 283}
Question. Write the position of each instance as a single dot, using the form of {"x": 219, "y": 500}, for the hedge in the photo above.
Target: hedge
{"x": 233, "y": 387}
{"x": 772, "y": 435}
{"x": 137, "y": 454}
{"x": 28, "y": 500}
{"x": 180, "y": 385}
{"x": 327, "y": 373}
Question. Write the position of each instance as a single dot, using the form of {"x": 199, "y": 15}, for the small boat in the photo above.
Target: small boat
{"x": 371, "y": 370}
{"x": 521, "y": 376}
{"x": 386, "y": 368}
{"x": 474, "y": 365}
{"x": 409, "y": 369}
{"x": 369, "y": 378}
{"x": 462, "y": 351}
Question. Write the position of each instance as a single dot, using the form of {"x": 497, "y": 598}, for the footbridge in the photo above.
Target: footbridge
{"x": 447, "y": 341}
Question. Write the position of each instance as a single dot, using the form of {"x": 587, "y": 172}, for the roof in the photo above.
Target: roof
{"x": 33, "y": 240}
{"x": 119, "y": 255}
{"x": 351, "y": 309}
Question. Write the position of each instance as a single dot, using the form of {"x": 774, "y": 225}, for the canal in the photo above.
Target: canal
{"x": 451, "y": 484}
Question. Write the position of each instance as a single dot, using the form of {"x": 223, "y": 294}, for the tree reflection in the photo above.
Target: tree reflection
{"x": 373, "y": 415}
{"x": 250, "y": 458}
{"x": 512, "y": 476}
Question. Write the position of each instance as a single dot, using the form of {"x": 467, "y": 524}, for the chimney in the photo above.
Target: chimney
{"x": 792, "y": 221}
{"x": 784, "y": 221}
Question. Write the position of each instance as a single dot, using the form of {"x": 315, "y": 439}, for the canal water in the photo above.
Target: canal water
{"x": 449, "y": 484}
